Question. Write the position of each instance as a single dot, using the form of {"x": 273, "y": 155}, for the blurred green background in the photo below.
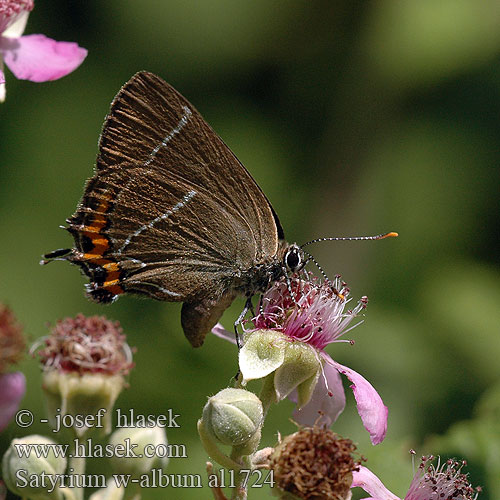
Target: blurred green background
{"x": 355, "y": 118}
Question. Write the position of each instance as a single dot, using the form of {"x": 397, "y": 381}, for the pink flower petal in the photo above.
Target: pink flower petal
{"x": 221, "y": 332}
{"x": 40, "y": 59}
{"x": 2, "y": 83}
{"x": 366, "y": 479}
{"x": 371, "y": 408}
{"x": 12, "y": 388}
{"x": 330, "y": 406}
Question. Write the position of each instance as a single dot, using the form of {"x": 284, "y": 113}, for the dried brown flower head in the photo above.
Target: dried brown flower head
{"x": 87, "y": 345}
{"x": 315, "y": 463}
{"x": 12, "y": 343}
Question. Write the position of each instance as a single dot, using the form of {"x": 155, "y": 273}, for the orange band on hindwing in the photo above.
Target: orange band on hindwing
{"x": 104, "y": 272}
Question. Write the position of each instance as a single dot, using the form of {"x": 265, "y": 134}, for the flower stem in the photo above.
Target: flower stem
{"x": 216, "y": 489}
{"x": 76, "y": 463}
{"x": 213, "y": 451}
{"x": 240, "y": 490}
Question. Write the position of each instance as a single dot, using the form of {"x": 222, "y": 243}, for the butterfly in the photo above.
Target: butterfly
{"x": 172, "y": 214}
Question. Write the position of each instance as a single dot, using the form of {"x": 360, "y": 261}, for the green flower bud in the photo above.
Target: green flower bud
{"x": 82, "y": 395}
{"x": 148, "y": 444}
{"x": 111, "y": 492}
{"x": 296, "y": 365}
{"x": 19, "y": 471}
{"x": 301, "y": 369}
{"x": 262, "y": 353}
{"x": 233, "y": 416}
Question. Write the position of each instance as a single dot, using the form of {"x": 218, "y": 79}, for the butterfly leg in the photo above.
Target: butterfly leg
{"x": 289, "y": 286}
{"x": 239, "y": 321}
{"x": 252, "y": 310}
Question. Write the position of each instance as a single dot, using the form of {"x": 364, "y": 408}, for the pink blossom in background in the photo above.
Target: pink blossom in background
{"x": 32, "y": 57}
{"x": 12, "y": 388}
{"x": 12, "y": 346}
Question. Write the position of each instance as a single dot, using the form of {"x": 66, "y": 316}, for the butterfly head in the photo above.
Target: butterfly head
{"x": 294, "y": 258}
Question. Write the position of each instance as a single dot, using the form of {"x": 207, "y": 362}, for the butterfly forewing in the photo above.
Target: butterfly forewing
{"x": 152, "y": 124}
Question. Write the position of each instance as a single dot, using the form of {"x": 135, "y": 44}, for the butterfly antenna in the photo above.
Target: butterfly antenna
{"x": 392, "y": 234}
{"x": 310, "y": 257}
{"x": 303, "y": 273}
{"x": 325, "y": 277}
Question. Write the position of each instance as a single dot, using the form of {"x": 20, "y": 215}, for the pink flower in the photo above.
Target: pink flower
{"x": 431, "y": 482}
{"x": 316, "y": 316}
{"x": 32, "y": 57}
{"x": 12, "y": 385}
{"x": 85, "y": 361}
{"x": 86, "y": 345}
{"x": 12, "y": 388}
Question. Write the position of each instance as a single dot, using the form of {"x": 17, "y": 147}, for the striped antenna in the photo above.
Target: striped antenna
{"x": 392, "y": 234}
{"x": 325, "y": 277}
{"x": 312, "y": 259}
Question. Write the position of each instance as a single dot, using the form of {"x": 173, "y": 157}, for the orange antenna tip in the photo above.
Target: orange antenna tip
{"x": 392, "y": 234}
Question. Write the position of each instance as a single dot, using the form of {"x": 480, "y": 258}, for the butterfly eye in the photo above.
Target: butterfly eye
{"x": 292, "y": 259}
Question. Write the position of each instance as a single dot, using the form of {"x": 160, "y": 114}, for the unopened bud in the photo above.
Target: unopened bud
{"x": 17, "y": 470}
{"x": 233, "y": 416}
{"x": 149, "y": 444}
{"x": 111, "y": 492}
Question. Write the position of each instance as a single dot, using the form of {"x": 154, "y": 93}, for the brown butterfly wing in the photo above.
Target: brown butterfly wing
{"x": 170, "y": 212}
{"x": 151, "y": 123}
